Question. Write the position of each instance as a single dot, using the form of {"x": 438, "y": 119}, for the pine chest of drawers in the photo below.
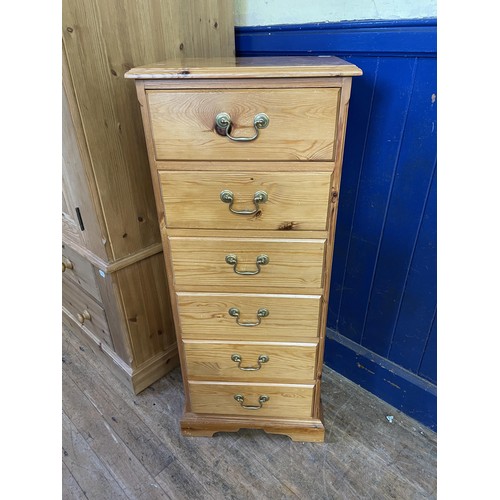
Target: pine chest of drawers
{"x": 246, "y": 157}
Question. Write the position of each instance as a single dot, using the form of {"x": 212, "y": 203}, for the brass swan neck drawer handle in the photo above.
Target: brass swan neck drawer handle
{"x": 261, "y": 260}
{"x": 262, "y": 399}
{"x": 261, "y": 313}
{"x": 263, "y": 358}
{"x": 223, "y": 126}
{"x": 228, "y": 197}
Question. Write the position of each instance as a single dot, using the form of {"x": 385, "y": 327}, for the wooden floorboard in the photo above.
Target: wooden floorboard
{"x": 87, "y": 476}
{"x": 120, "y": 445}
{"x": 125, "y": 468}
{"x": 70, "y": 487}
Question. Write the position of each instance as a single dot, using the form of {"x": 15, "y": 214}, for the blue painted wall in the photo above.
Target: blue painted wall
{"x": 382, "y": 310}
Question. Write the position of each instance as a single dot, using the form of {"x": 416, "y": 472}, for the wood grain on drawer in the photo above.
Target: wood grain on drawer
{"x": 290, "y": 401}
{"x": 80, "y": 270}
{"x": 302, "y": 123}
{"x": 292, "y": 262}
{"x": 82, "y": 307}
{"x": 295, "y": 200}
{"x": 290, "y": 317}
{"x": 269, "y": 362}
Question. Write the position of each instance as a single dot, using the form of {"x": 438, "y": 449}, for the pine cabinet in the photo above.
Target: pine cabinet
{"x": 115, "y": 294}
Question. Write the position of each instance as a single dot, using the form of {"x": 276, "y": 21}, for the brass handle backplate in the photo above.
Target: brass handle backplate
{"x": 223, "y": 126}
{"x": 263, "y": 358}
{"x": 84, "y": 316}
{"x": 228, "y": 197}
{"x": 262, "y": 399}
{"x": 261, "y": 260}
{"x": 261, "y": 313}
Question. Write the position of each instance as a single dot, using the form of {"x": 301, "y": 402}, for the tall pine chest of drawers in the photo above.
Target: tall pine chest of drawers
{"x": 246, "y": 158}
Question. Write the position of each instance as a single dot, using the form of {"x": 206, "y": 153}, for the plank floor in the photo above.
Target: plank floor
{"x": 117, "y": 445}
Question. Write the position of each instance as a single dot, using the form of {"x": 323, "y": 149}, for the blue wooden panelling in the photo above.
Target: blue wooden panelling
{"x": 390, "y": 102}
{"x": 410, "y": 181}
{"x": 412, "y": 335}
{"x": 358, "y": 123}
{"x": 383, "y": 289}
{"x": 428, "y": 365}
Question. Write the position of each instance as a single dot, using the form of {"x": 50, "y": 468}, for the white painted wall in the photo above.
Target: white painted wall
{"x": 268, "y": 12}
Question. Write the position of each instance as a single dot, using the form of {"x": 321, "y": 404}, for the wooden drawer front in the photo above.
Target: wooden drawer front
{"x": 286, "y": 401}
{"x": 76, "y": 302}
{"x": 78, "y": 269}
{"x": 302, "y": 124}
{"x": 292, "y": 263}
{"x": 295, "y": 200}
{"x": 206, "y": 316}
{"x": 292, "y": 363}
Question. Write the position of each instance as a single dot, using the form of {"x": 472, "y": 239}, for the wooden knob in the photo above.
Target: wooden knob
{"x": 84, "y": 316}
{"x": 67, "y": 264}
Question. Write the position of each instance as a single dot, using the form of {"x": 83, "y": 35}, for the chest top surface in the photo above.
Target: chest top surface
{"x": 246, "y": 67}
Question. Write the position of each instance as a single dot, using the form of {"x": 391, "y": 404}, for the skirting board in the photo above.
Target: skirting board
{"x": 402, "y": 389}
